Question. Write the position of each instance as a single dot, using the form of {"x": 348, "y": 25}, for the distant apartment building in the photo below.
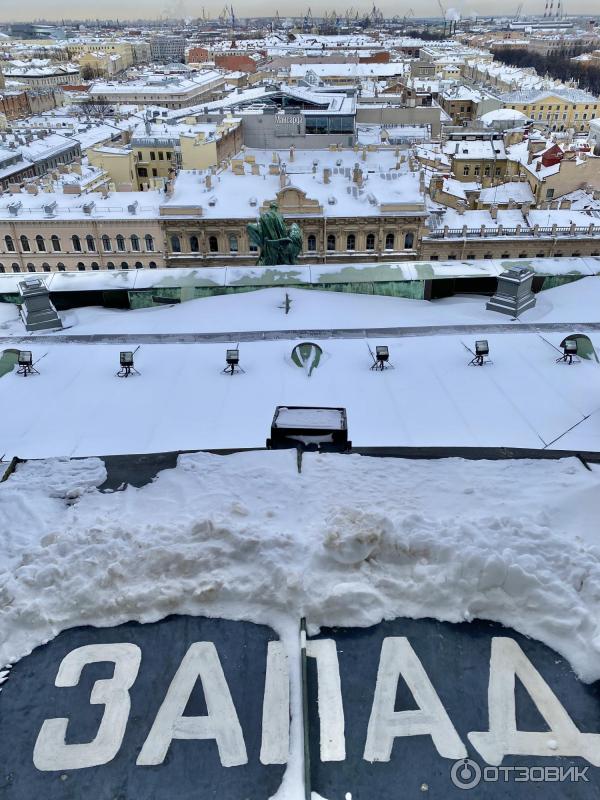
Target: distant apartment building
{"x": 166, "y": 48}
{"x": 52, "y": 75}
{"x": 558, "y": 109}
{"x": 170, "y": 91}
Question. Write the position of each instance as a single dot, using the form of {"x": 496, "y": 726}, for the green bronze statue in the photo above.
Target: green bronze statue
{"x": 277, "y": 243}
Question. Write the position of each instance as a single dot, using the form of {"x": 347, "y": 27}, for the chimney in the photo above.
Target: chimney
{"x": 208, "y": 181}
{"x": 282, "y": 179}
{"x": 326, "y": 175}
{"x": 292, "y": 151}
{"x": 357, "y": 176}
{"x": 494, "y": 211}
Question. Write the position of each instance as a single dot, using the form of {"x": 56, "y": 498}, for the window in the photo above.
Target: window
{"x": 10, "y": 245}
{"x": 161, "y": 155}
{"x": 120, "y": 243}
{"x": 549, "y": 194}
{"x": 2, "y": 268}
{"x": 110, "y": 265}
{"x": 497, "y": 172}
{"x": 138, "y": 265}
{"x": 142, "y": 172}
{"x": 311, "y": 243}
{"x": 176, "y": 244}
{"x": 351, "y": 242}
{"x": 40, "y": 243}
{"x": 390, "y": 241}
{"x": 522, "y": 255}
{"x": 194, "y": 244}
{"x": 90, "y": 243}
{"x": 55, "y": 243}
{"x": 140, "y": 155}
{"x": 30, "y": 267}
{"x": 471, "y": 256}
{"x": 213, "y": 244}
{"x": 477, "y": 170}
{"x": 25, "y": 244}
{"x": 233, "y": 243}
{"x": 152, "y": 265}
{"x": 16, "y": 268}
{"x": 76, "y": 243}
{"x": 95, "y": 265}
{"x": 152, "y": 155}
{"x": 81, "y": 266}
{"x": 466, "y": 169}
{"x": 46, "y": 266}
{"x": 487, "y": 171}
{"x": 409, "y": 240}
{"x": 106, "y": 244}
{"x": 505, "y": 255}
{"x": 154, "y": 173}
{"x": 331, "y": 242}
{"x": 149, "y": 242}
{"x": 124, "y": 265}
{"x": 169, "y": 156}
{"x": 61, "y": 267}
{"x": 434, "y": 258}
{"x": 488, "y": 255}
{"x": 370, "y": 242}
{"x": 135, "y": 242}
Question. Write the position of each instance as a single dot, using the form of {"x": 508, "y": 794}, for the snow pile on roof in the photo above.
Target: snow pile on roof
{"x": 503, "y": 114}
{"x": 231, "y": 537}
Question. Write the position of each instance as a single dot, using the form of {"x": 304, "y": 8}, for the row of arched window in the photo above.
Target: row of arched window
{"x": 332, "y": 241}
{"x": 77, "y": 242}
{"x": 213, "y": 244}
{"x": 311, "y": 242}
{"x": 80, "y": 266}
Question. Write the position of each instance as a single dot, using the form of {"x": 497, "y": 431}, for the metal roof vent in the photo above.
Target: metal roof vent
{"x": 14, "y": 208}
{"x": 332, "y": 200}
{"x": 212, "y": 201}
{"x": 132, "y": 207}
{"x": 88, "y": 207}
{"x": 50, "y": 208}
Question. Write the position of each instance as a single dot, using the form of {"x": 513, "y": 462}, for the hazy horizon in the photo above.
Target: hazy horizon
{"x": 151, "y": 10}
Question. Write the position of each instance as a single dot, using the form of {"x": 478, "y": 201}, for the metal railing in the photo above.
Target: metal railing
{"x": 536, "y": 232}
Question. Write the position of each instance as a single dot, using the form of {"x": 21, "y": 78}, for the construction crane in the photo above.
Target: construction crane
{"x": 443, "y": 10}
{"x": 308, "y": 22}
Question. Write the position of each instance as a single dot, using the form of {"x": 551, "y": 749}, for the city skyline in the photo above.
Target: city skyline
{"x": 34, "y": 10}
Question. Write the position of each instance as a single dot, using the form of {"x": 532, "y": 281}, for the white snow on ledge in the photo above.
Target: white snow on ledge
{"x": 350, "y": 541}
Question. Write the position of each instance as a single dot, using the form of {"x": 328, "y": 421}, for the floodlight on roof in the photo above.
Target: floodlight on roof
{"x": 381, "y": 359}
{"x": 126, "y": 364}
{"x": 232, "y": 359}
{"x": 482, "y": 350}
{"x": 25, "y": 358}
{"x": 25, "y": 362}
{"x": 569, "y": 347}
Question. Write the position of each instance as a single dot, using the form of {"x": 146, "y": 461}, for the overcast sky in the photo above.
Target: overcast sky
{"x": 152, "y": 9}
